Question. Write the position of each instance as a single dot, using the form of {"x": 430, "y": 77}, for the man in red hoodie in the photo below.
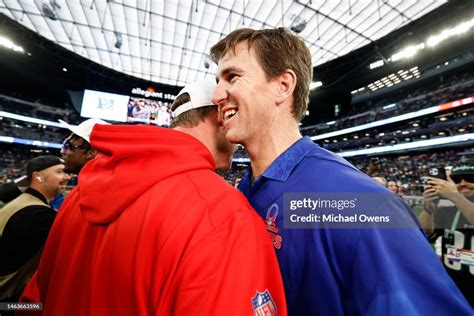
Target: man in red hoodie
{"x": 151, "y": 229}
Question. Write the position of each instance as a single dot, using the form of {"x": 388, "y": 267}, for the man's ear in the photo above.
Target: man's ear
{"x": 36, "y": 175}
{"x": 285, "y": 85}
{"x": 91, "y": 153}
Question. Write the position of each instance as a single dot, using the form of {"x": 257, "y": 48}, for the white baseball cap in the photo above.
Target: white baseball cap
{"x": 200, "y": 93}
{"x": 84, "y": 129}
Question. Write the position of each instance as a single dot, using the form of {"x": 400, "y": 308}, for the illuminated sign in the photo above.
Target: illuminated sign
{"x": 149, "y": 93}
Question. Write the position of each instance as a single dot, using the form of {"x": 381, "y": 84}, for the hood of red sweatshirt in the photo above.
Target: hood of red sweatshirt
{"x": 132, "y": 159}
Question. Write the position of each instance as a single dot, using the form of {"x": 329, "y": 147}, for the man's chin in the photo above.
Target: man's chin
{"x": 232, "y": 137}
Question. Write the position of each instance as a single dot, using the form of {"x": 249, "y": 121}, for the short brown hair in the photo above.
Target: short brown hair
{"x": 192, "y": 117}
{"x": 277, "y": 50}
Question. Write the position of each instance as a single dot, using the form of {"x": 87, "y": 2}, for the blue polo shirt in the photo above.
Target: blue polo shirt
{"x": 349, "y": 271}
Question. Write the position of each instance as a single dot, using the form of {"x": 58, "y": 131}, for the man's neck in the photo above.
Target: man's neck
{"x": 268, "y": 147}
{"x": 43, "y": 192}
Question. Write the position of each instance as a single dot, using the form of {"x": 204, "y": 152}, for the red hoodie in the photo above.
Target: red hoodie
{"x": 151, "y": 229}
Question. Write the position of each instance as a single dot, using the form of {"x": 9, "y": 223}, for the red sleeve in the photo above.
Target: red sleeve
{"x": 30, "y": 295}
{"x": 225, "y": 273}
{"x": 31, "y": 292}
{"x": 34, "y": 292}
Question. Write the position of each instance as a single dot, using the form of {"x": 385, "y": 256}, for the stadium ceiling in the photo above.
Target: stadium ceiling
{"x": 168, "y": 41}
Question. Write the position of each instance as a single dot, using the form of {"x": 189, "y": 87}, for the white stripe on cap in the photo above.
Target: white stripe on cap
{"x": 200, "y": 94}
{"x": 186, "y": 107}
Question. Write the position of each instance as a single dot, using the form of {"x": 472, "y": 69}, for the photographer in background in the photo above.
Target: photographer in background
{"x": 455, "y": 224}
{"x": 373, "y": 169}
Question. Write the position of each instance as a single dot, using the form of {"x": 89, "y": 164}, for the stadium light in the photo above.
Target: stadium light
{"x": 407, "y": 52}
{"x": 430, "y": 42}
{"x": 30, "y": 119}
{"x": 7, "y": 139}
{"x": 7, "y": 43}
{"x": 314, "y": 85}
{"x": 459, "y": 29}
{"x": 23, "y": 141}
{"x": 376, "y": 64}
{"x": 392, "y": 79}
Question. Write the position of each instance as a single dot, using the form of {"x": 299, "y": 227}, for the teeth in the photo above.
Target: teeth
{"x": 229, "y": 113}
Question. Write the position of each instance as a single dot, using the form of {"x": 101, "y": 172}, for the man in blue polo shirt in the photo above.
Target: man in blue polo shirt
{"x": 357, "y": 269}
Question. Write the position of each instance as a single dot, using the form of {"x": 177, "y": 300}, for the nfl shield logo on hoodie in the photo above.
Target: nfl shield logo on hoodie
{"x": 263, "y": 304}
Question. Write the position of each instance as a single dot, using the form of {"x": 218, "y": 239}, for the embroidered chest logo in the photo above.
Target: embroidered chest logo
{"x": 263, "y": 304}
{"x": 270, "y": 222}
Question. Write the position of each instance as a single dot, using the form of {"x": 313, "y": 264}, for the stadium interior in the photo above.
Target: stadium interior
{"x": 402, "y": 101}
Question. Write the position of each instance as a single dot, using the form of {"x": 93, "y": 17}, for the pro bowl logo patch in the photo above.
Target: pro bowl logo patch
{"x": 272, "y": 229}
{"x": 263, "y": 304}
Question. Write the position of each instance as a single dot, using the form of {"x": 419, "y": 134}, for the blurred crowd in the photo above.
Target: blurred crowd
{"x": 407, "y": 171}
{"x": 13, "y": 160}
{"x": 444, "y": 90}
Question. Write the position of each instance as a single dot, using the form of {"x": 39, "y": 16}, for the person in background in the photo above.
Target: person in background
{"x": 11, "y": 190}
{"x": 76, "y": 152}
{"x": 25, "y": 223}
{"x": 155, "y": 231}
{"x": 262, "y": 92}
{"x": 141, "y": 111}
{"x": 373, "y": 169}
{"x": 454, "y": 224}
{"x": 392, "y": 185}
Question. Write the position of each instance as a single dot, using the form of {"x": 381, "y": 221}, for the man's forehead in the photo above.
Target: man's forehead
{"x": 227, "y": 62}
{"x": 236, "y": 50}
{"x": 77, "y": 139}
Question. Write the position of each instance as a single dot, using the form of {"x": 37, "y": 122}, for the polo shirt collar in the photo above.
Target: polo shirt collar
{"x": 283, "y": 165}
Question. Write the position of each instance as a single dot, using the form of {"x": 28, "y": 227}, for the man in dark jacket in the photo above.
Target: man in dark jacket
{"x": 25, "y": 223}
